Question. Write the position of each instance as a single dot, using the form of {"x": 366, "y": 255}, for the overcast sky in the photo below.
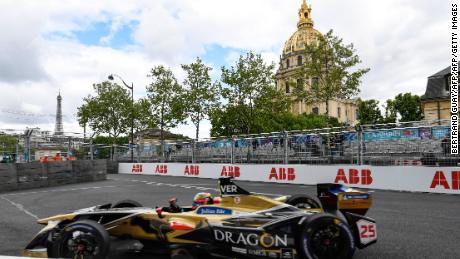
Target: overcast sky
{"x": 47, "y": 46}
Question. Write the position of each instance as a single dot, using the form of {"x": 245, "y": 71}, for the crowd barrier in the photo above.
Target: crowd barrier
{"x": 408, "y": 178}
{"x": 35, "y": 174}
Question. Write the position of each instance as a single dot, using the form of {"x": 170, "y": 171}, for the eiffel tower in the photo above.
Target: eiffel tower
{"x": 59, "y": 129}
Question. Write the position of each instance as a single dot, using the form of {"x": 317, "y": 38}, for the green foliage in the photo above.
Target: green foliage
{"x": 225, "y": 124}
{"x": 407, "y": 105}
{"x": 109, "y": 111}
{"x": 332, "y": 64}
{"x": 250, "y": 94}
{"x": 7, "y": 144}
{"x": 202, "y": 94}
{"x": 166, "y": 100}
{"x": 369, "y": 112}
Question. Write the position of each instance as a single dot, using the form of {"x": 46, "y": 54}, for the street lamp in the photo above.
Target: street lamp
{"x": 112, "y": 77}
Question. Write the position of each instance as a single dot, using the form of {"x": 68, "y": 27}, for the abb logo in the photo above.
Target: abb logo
{"x": 136, "y": 168}
{"x": 354, "y": 177}
{"x": 161, "y": 169}
{"x": 192, "y": 170}
{"x": 440, "y": 179}
{"x": 282, "y": 174}
{"x": 230, "y": 171}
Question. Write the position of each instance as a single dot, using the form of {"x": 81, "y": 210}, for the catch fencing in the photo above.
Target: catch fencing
{"x": 402, "y": 144}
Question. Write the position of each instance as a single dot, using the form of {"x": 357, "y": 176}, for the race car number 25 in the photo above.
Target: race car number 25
{"x": 367, "y": 231}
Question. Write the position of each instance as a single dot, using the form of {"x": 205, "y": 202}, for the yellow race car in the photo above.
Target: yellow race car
{"x": 238, "y": 224}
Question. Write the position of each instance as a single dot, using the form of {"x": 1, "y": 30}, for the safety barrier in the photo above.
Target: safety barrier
{"x": 35, "y": 174}
{"x": 399, "y": 178}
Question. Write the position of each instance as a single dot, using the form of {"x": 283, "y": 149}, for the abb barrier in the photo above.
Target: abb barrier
{"x": 408, "y": 178}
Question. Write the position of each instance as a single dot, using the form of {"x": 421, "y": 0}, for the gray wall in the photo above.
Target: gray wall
{"x": 36, "y": 174}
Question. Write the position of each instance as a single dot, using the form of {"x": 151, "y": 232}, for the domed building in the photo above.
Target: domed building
{"x": 291, "y": 61}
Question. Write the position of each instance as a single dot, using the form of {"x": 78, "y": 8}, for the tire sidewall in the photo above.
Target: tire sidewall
{"x": 320, "y": 220}
{"x": 126, "y": 204}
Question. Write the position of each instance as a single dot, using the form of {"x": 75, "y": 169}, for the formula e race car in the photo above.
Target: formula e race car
{"x": 238, "y": 224}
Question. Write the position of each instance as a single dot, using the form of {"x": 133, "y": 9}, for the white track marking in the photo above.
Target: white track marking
{"x": 20, "y": 207}
{"x": 66, "y": 190}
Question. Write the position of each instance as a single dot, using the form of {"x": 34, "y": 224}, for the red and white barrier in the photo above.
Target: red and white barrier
{"x": 407, "y": 178}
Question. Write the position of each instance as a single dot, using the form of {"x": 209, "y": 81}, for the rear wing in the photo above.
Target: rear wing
{"x": 339, "y": 197}
{"x": 228, "y": 187}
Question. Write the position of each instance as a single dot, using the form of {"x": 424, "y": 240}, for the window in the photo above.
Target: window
{"x": 306, "y": 15}
{"x": 288, "y": 90}
{"x": 315, "y": 110}
{"x": 315, "y": 83}
{"x": 287, "y": 63}
{"x": 299, "y": 60}
{"x": 299, "y": 83}
{"x": 339, "y": 112}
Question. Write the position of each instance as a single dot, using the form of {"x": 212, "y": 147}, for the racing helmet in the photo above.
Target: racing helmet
{"x": 202, "y": 198}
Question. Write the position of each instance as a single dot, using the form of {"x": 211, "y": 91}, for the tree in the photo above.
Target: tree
{"x": 249, "y": 88}
{"x": 166, "y": 100}
{"x": 202, "y": 94}
{"x": 330, "y": 64}
{"x": 109, "y": 111}
{"x": 369, "y": 112}
{"x": 407, "y": 105}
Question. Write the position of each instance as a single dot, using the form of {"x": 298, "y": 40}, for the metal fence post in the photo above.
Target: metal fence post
{"x": 286, "y": 146}
{"x": 232, "y": 155}
{"x": 361, "y": 145}
{"x": 193, "y": 151}
{"x": 91, "y": 148}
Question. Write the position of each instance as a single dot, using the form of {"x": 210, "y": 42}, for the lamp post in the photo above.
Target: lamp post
{"x": 112, "y": 77}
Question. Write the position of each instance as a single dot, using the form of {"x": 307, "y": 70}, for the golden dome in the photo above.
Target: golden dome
{"x": 305, "y": 33}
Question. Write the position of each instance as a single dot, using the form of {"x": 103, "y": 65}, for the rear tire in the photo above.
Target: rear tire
{"x": 303, "y": 201}
{"x": 84, "y": 239}
{"x": 127, "y": 204}
{"x": 324, "y": 236}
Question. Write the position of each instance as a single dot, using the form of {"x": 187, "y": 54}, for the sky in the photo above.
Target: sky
{"x": 49, "y": 46}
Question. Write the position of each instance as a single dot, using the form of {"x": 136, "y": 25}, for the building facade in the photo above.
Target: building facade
{"x": 291, "y": 61}
{"x": 436, "y": 100}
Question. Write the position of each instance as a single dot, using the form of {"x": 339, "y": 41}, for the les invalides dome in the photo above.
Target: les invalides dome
{"x": 292, "y": 59}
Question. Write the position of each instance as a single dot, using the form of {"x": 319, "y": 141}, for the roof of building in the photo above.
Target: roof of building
{"x": 436, "y": 85}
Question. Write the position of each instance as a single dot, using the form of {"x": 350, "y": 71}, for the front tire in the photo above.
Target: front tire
{"x": 84, "y": 239}
{"x": 324, "y": 236}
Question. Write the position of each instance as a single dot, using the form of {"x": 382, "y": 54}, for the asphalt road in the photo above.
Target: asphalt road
{"x": 410, "y": 225}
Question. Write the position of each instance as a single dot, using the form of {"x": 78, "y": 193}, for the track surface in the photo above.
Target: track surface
{"x": 410, "y": 225}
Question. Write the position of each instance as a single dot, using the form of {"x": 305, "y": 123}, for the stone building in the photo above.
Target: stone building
{"x": 436, "y": 100}
{"x": 291, "y": 61}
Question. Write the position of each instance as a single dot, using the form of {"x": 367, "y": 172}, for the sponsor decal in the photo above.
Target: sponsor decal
{"x": 252, "y": 239}
{"x": 287, "y": 253}
{"x": 161, "y": 169}
{"x": 233, "y": 171}
{"x": 261, "y": 253}
{"x": 440, "y": 179}
{"x": 213, "y": 211}
{"x": 137, "y": 168}
{"x": 354, "y": 177}
{"x": 272, "y": 255}
{"x": 237, "y": 200}
{"x": 228, "y": 189}
{"x": 192, "y": 170}
{"x": 361, "y": 196}
{"x": 282, "y": 173}
{"x": 239, "y": 250}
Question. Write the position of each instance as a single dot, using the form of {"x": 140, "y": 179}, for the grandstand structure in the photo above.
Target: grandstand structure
{"x": 405, "y": 144}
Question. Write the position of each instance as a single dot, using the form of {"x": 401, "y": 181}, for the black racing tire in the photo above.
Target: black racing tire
{"x": 325, "y": 236}
{"x": 127, "y": 204}
{"x": 83, "y": 239}
{"x": 303, "y": 201}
